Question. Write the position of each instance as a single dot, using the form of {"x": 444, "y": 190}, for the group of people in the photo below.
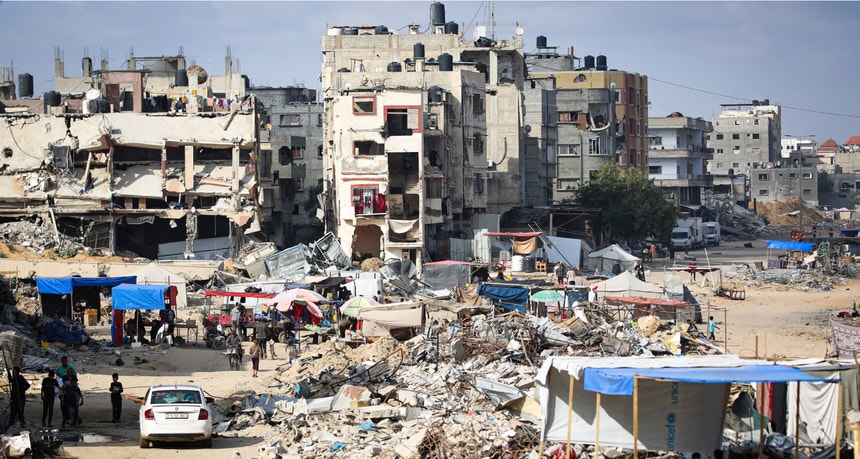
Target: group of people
{"x": 135, "y": 328}
{"x": 61, "y": 385}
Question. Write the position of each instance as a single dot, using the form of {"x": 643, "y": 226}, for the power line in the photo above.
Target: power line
{"x": 808, "y": 110}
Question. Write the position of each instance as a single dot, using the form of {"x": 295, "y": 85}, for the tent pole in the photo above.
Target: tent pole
{"x": 797, "y": 422}
{"x": 636, "y": 417}
{"x": 543, "y": 421}
{"x": 570, "y": 413}
{"x": 597, "y": 430}
{"x": 760, "y": 434}
{"x": 839, "y": 419}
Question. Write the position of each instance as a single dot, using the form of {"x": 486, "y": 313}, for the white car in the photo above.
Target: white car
{"x": 175, "y": 414}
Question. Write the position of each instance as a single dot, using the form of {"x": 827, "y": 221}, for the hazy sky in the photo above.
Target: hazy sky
{"x": 697, "y": 55}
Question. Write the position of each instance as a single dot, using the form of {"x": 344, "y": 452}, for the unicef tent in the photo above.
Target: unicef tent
{"x": 603, "y": 259}
{"x": 659, "y": 404}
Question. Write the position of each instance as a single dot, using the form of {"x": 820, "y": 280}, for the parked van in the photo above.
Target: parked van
{"x": 712, "y": 233}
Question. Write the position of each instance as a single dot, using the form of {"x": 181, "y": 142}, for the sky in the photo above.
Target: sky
{"x": 697, "y": 55}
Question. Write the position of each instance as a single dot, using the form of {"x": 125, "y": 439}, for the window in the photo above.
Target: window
{"x": 298, "y": 152}
{"x": 592, "y": 175}
{"x": 764, "y": 176}
{"x": 363, "y": 198}
{"x": 655, "y": 170}
{"x": 708, "y": 137}
{"x": 298, "y": 184}
{"x": 319, "y": 119}
{"x": 807, "y": 191}
{"x": 737, "y": 122}
{"x": 368, "y": 148}
{"x": 756, "y": 136}
{"x": 719, "y": 137}
{"x": 719, "y": 165}
{"x": 719, "y": 151}
{"x": 364, "y": 105}
{"x": 736, "y": 149}
{"x": 477, "y": 104}
{"x": 755, "y": 121}
{"x": 565, "y": 184}
{"x": 792, "y": 175}
{"x": 762, "y": 192}
{"x": 402, "y": 121}
{"x": 477, "y": 144}
{"x": 296, "y": 209}
{"x": 319, "y": 151}
{"x": 617, "y": 95}
{"x": 594, "y": 146}
{"x": 807, "y": 176}
{"x": 290, "y": 120}
{"x": 568, "y": 150}
{"x": 756, "y": 151}
{"x": 568, "y": 117}
{"x": 736, "y": 136}
{"x": 736, "y": 165}
{"x": 433, "y": 189}
{"x": 479, "y": 183}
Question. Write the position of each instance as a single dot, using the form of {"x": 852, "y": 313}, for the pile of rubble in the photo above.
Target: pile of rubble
{"x": 802, "y": 279}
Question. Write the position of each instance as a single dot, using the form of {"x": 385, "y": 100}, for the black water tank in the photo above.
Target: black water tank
{"x": 127, "y": 101}
{"x": 100, "y": 105}
{"x": 25, "y": 85}
{"x": 451, "y": 28}
{"x": 395, "y": 67}
{"x": 434, "y": 94}
{"x": 350, "y": 31}
{"x": 343, "y": 70}
{"x": 380, "y": 30}
{"x": 53, "y": 99}
{"x": 589, "y": 62}
{"x": 483, "y": 42}
{"x": 437, "y": 13}
{"x": 541, "y": 41}
{"x": 181, "y": 78}
{"x": 601, "y": 62}
{"x": 418, "y": 50}
{"x": 247, "y": 81}
{"x": 446, "y": 62}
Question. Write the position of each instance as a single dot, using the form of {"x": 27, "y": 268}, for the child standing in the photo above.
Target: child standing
{"x": 50, "y": 389}
{"x": 116, "y": 398}
{"x": 72, "y": 399}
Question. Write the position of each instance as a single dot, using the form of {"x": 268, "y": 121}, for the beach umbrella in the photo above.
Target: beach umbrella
{"x": 547, "y": 296}
{"x": 283, "y": 300}
{"x": 351, "y": 306}
{"x": 297, "y": 308}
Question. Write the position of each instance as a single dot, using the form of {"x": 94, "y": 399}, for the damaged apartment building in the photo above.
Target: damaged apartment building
{"x": 422, "y": 135}
{"x": 155, "y": 160}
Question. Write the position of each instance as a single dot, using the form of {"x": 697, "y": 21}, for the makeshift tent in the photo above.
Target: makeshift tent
{"x": 790, "y": 245}
{"x": 128, "y": 297}
{"x": 447, "y": 274}
{"x": 153, "y": 273}
{"x": 254, "y": 299}
{"x": 514, "y": 297}
{"x": 380, "y": 319}
{"x": 603, "y": 259}
{"x": 659, "y": 404}
{"x": 626, "y": 284}
{"x": 562, "y": 250}
{"x": 58, "y": 294}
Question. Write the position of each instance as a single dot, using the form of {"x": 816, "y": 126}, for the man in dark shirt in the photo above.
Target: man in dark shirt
{"x": 49, "y": 394}
{"x": 261, "y": 332}
{"x": 18, "y": 395}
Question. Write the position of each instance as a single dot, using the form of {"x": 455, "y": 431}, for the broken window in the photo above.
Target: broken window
{"x": 433, "y": 189}
{"x": 568, "y": 117}
{"x": 479, "y": 183}
{"x": 655, "y": 170}
{"x": 298, "y": 152}
{"x": 368, "y": 148}
{"x": 364, "y": 105}
{"x": 807, "y": 191}
{"x": 477, "y": 144}
{"x": 298, "y": 184}
{"x": 807, "y": 176}
{"x": 736, "y": 136}
{"x": 568, "y": 150}
{"x": 762, "y": 192}
{"x": 290, "y": 120}
{"x": 565, "y": 184}
{"x": 7, "y": 152}
{"x": 764, "y": 176}
{"x": 477, "y": 105}
{"x": 595, "y": 146}
{"x": 402, "y": 121}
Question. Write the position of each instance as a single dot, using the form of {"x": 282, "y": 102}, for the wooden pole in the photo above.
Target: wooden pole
{"x": 765, "y": 345}
{"x": 597, "y": 430}
{"x": 726, "y": 328}
{"x": 756, "y": 346}
{"x": 569, "y": 414}
{"x": 797, "y": 422}
{"x": 636, "y": 417}
{"x": 839, "y": 419}
{"x": 855, "y": 430}
{"x": 760, "y": 435}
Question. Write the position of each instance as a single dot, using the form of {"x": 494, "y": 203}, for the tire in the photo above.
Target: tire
{"x": 207, "y": 443}
{"x": 219, "y": 343}
{"x": 234, "y": 363}
{"x": 144, "y": 443}
{"x": 282, "y": 337}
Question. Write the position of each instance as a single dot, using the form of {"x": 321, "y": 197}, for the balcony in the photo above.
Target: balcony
{"x": 673, "y": 152}
{"x": 289, "y": 171}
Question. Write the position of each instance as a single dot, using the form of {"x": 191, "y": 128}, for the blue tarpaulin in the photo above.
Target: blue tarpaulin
{"x": 510, "y": 295}
{"x": 790, "y": 245}
{"x": 56, "y": 332}
{"x": 64, "y": 285}
{"x": 126, "y": 297}
{"x": 619, "y": 381}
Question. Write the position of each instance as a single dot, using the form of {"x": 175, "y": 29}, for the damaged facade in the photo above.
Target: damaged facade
{"x": 418, "y": 145}
{"x": 677, "y": 157}
{"x": 133, "y": 161}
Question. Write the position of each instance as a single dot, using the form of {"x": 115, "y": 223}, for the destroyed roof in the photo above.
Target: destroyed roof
{"x": 522, "y": 216}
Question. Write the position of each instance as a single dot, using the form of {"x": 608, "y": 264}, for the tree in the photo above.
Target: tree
{"x": 632, "y": 207}
{"x": 825, "y": 183}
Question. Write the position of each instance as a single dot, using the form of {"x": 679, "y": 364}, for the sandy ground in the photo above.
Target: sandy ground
{"x": 773, "y": 322}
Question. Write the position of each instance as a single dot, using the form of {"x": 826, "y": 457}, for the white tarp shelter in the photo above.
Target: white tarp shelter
{"x": 626, "y": 284}
{"x": 819, "y": 402}
{"x": 657, "y": 404}
{"x": 154, "y": 274}
{"x": 562, "y": 250}
{"x": 604, "y": 258}
{"x": 380, "y": 319}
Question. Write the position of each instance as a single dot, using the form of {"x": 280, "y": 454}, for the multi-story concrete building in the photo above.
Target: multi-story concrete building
{"x": 629, "y": 93}
{"x": 784, "y": 182}
{"x": 422, "y": 134}
{"x": 744, "y": 135}
{"x": 541, "y": 139}
{"x": 677, "y": 157}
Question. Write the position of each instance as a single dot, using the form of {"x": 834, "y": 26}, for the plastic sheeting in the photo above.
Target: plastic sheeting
{"x": 603, "y": 259}
{"x": 64, "y": 285}
{"x": 127, "y": 297}
{"x": 509, "y": 295}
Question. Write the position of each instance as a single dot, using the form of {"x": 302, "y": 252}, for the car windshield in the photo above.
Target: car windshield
{"x": 174, "y": 396}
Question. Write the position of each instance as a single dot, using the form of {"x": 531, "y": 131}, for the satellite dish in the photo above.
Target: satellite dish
{"x": 612, "y": 85}
{"x": 520, "y": 31}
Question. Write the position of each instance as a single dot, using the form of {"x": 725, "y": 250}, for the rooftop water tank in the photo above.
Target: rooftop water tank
{"x": 437, "y": 13}
{"x": 601, "y": 62}
{"x": 418, "y": 50}
{"x": 451, "y": 28}
{"x": 541, "y": 41}
{"x": 25, "y": 85}
{"x": 589, "y": 62}
{"x": 434, "y": 94}
{"x": 380, "y": 30}
{"x": 53, "y": 99}
{"x": 181, "y": 78}
{"x": 446, "y": 62}
{"x": 350, "y": 31}
{"x": 395, "y": 67}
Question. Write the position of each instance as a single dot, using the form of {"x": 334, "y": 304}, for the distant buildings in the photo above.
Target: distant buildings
{"x": 677, "y": 157}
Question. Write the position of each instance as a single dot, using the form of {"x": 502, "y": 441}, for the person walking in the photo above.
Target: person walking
{"x": 261, "y": 333}
{"x": 712, "y": 326}
{"x": 116, "y": 398}
{"x": 17, "y": 396}
{"x": 50, "y": 389}
{"x": 255, "y": 356}
{"x": 236, "y": 319}
{"x": 73, "y": 398}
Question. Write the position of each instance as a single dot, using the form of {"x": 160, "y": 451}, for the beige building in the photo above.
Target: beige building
{"x": 429, "y": 122}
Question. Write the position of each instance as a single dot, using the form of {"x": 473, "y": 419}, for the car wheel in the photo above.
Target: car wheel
{"x": 207, "y": 443}
{"x": 144, "y": 443}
